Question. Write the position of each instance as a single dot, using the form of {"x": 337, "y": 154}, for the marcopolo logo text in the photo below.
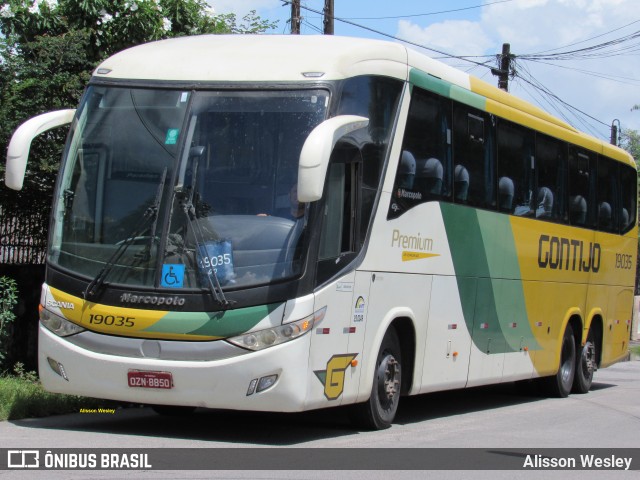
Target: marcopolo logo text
{"x": 151, "y": 300}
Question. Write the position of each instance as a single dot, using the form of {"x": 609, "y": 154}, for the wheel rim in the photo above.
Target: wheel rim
{"x": 388, "y": 381}
{"x": 588, "y": 360}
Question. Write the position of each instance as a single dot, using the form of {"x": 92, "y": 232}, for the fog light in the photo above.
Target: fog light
{"x": 58, "y": 368}
{"x": 266, "y": 382}
{"x": 252, "y": 387}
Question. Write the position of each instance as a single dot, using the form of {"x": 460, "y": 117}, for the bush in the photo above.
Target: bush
{"x": 8, "y": 300}
{"x": 22, "y": 396}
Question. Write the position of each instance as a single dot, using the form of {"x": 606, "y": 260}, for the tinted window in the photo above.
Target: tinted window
{"x": 474, "y": 171}
{"x": 425, "y": 169}
{"x": 628, "y": 192}
{"x": 607, "y": 199}
{"x": 551, "y": 167}
{"x": 582, "y": 181}
{"x": 515, "y": 169}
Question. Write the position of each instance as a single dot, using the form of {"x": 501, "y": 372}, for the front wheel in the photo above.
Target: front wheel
{"x": 380, "y": 410}
{"x": 586, "y": 364}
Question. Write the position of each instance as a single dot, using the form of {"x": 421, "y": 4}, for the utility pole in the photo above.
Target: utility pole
{"x": 614, "y": 132}
{"x": 505, "y": 67}
{"x": 328, "y": 17}
{"x": 295, "y": 17}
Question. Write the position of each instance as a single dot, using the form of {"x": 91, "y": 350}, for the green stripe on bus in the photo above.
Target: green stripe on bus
{"x": 214, "y": 324}
{"x": 467, "y": 97}
{"x": 488, "y": 276}
{"x": 504, "y": 270}
{"x": 471, "y": 265}
{"x": 429, "y": 82}
{"x": 446, "y": 89}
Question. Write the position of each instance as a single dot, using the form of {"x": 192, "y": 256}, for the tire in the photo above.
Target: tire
{"x": 586, "y": 364}
{"x": 172, "y": 410}
{"x": 561, "y": 383}
{"x": 379, "y": 411}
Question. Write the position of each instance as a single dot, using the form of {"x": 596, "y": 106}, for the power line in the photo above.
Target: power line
{"x": 427, "y": 14}
{"x": 448, "y": 55}
{"x": 607, "y": 49}
{"x": 588, "y": 39}
{"x": 310, "y": 25}
{"x": 529, "y": 83}
{"x": 613, "y": 78}
{"x": 552, "y": 97}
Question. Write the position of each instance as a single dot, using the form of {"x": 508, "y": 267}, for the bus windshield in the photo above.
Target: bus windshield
{"x": 182, "y": 189}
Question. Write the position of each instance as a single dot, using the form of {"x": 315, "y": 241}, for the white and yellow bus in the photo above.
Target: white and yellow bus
{"x": 286, "y": 223}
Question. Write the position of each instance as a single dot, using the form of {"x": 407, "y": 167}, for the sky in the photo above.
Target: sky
{"x": 589, "y": 89}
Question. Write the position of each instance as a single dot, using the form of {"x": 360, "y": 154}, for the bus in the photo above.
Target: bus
{"x": 288, "y": 223}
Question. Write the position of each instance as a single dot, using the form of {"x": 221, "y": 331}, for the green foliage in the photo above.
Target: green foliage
{"x": 22, "y": 396}
{"x": 21, "y": 373}
{"x": 8, "y": 300}
{"x": 112, "y": 25}
{"x": 630, "y": 141}
{"x": 48, "y": 49}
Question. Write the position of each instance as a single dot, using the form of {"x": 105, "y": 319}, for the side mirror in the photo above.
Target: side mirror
{"x": 316, "y": 152}
{"x": 18, "y": 151}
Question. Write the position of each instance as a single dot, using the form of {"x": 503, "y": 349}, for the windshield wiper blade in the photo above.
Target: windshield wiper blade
{"x": 213, "y": 283}
{"x": 156, "y": 207}
{"x": 151, "y": 213}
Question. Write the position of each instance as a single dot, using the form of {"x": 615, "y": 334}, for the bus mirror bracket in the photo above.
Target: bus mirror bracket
{"x": 18, "y": 150}
{"x": 316, "y": 152}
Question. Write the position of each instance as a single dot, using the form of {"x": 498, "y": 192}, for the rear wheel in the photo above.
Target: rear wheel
{"x": 561, "y": 383}
{"x": 586, "y": 364}
{"x": 380, "y": 410}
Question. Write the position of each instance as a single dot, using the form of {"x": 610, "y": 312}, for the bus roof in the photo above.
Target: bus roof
{"x": 255, "y": 58}
{"x": 313, "y": 58}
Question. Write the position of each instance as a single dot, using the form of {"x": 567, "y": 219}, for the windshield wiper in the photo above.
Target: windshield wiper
{"x": 151, "y": 213}
{"x": 213, "y": 283}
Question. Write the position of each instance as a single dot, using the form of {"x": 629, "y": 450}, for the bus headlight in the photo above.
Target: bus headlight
{"x": 57, "y": 324}
{"x": 276, "y": 335}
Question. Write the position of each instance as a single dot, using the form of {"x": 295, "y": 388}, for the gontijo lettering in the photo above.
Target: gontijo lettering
{"x": 559, "y": 253}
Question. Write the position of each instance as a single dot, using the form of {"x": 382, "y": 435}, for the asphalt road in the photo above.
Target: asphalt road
{"x": 496, "y": 417}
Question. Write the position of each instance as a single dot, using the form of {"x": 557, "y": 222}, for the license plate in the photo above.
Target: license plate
{"x": 148, "y": 379}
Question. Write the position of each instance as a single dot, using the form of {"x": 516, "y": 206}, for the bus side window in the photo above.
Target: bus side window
{"x": 339, "y": 235}
{"x": 627, "y": 203}
{"x": 582, "y": 183}
{"x": 551, "y": 173}
{"x": 515, "y": 168}
{"x": 473, "y": 149}
{"x": 607, "y": 195}
{"x": 427, "y": 140}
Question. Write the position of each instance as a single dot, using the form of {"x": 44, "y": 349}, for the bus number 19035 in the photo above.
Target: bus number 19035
{"x": 624, "y": 261}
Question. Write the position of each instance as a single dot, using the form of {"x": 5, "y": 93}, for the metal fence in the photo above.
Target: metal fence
{"x": 24, "y": 225}
{"x": 21, "y": 239}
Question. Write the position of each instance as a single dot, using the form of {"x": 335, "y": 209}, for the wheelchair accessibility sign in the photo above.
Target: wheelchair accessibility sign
{"x": 172, "y": 275}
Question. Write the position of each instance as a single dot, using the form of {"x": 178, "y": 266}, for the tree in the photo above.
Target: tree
{"x": 630, "y": 141}
{"x": 112, "y": 25}
{"x": 48, "y": 49}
